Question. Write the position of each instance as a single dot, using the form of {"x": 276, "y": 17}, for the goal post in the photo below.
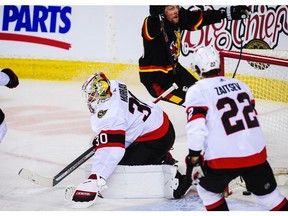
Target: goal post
{"x": 266, "y": 73}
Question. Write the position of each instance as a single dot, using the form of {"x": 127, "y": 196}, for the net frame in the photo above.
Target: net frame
{"x": 250, "y": 57}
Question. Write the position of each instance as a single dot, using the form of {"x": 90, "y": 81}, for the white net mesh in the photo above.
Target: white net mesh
{"x": 269, "y": 85}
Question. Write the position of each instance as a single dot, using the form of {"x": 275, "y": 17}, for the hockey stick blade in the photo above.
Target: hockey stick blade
{"x": 35, "y": 178}
{"x": 51, "y": 182}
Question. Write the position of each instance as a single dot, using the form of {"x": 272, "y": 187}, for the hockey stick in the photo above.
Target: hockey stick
{"x": 240, "y": 56}
{"x": 241, "y": 49}
{"x": 51, "y": 182}
{"x": 164, "y": 94}
{"x": 167, "y": 44}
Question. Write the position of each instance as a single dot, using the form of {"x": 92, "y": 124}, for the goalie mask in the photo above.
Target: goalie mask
{"x": 205, "y": 60}
{"x": 96, "y": 90}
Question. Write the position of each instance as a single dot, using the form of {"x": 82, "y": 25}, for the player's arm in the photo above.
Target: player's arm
{"x": 109, "y": 150}
{"x": 195, "y": 127}
{"x": 229, "y": 13}
{"x": 195, "y": 20}
{"x": 196, "y": 133}
{"x": 152, "y": 26}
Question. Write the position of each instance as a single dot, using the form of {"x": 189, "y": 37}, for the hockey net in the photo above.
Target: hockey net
{"x": 266, "y": 73}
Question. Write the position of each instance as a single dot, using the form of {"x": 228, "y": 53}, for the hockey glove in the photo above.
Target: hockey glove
{"x": 155, "y": 10}
{"x": 87, "y": 192}
{"x": 195, "y": 170}
{"x": 14, "y": 82}
{"x": 185, "y": 181}
{"x": 238, "y": 12}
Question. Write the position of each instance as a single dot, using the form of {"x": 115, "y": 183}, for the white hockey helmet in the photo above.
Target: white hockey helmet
{"x": 205, "y": 59}
{"x": 96, "y": 90}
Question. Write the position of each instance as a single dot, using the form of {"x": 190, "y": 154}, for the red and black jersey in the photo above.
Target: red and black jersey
{"x": 155, "y": 64}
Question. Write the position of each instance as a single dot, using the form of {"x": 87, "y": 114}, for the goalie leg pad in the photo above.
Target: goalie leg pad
{"x": 171, "y": 183}
{"x": 157, "y": 181}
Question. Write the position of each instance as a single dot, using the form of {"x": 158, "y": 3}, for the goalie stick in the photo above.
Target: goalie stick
{"x": 51, "y": 182}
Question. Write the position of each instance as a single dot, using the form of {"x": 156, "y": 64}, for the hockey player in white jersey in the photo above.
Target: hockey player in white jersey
{"x": 9, "y": 79}
{"x": 127, "y": 132}
{"x": 222, "y": 123}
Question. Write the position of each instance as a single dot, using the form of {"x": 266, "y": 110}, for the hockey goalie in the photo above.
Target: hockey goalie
{"x": 132, "y": 141}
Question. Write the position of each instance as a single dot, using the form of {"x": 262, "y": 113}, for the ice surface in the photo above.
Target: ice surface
{"x": 48, "y": 127}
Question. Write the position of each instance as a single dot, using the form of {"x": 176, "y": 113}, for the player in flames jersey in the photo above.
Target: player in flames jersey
{"x": 127, "y": 132}
{"x": 222, "y": 121}
{"x": 159, "y": 67}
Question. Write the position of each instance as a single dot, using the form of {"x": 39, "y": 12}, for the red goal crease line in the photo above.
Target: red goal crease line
{"x": 35, "y": 39}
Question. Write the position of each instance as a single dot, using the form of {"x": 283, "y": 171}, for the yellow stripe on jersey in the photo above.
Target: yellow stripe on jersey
{"x": 175, "y": 99}
{"x": 195, "y": 27}
{"x": 145, "y": 31}
{"x": 156, "y": 68}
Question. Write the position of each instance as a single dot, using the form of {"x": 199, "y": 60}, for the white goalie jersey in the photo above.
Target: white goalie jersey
{"x": 121, "y": 121}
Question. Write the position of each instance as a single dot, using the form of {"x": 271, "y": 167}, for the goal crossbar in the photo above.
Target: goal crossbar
{"x": 250, "y": 57}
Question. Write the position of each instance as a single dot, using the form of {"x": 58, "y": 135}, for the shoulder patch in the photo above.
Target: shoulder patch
{"x": 101, "y": 113}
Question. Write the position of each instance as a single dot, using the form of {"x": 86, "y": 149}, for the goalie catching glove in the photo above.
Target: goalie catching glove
{"x": 87, "y": 192}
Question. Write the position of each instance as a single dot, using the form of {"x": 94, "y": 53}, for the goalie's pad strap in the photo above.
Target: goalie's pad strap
{"x": 149, "y": 181}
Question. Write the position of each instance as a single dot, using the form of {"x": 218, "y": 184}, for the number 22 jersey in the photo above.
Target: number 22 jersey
{"x": 222, "y": 121}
